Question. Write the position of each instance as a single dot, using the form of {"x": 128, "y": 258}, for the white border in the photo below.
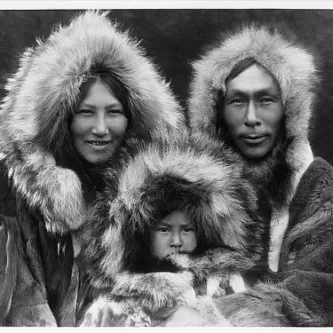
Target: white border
{"x": 170, "y": 4}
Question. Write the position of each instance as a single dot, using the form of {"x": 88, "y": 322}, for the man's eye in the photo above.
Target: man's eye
{"x": 267, "y": 100}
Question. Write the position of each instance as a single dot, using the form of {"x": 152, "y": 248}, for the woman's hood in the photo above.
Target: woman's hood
{"x": 48, "y": 81}
{"x": 34, "y": 114}
{"x": 204, "y": 177}
{"x": 291, "y": 64}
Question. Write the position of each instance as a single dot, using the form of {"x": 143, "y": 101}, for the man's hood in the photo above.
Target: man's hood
{"x": 291, "y": 64}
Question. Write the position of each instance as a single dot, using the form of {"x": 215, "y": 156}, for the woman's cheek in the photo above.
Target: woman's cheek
{"x": 119, "y": 126}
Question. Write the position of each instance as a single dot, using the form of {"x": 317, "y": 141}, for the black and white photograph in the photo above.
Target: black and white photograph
{"x": 166, "y": 164}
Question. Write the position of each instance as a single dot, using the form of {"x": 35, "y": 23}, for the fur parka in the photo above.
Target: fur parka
{"x": 204, "y": 178}
{"x": 40, "y": 199}
{"x": 41, "y": 96}
{"x": 300, "y": 293}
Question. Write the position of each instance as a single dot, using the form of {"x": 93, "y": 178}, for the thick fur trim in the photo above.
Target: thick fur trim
{"x": 291, "y": 65}
{"x": 207, "y": 180}
{"x": 219, "y": 262}
{"x": 155, "y": 290}
{"x": 146, "y": 299}
{"x": 35, "y": 112}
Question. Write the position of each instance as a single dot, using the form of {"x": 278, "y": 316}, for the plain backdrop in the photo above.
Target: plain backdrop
{"x": 175, "y": 37}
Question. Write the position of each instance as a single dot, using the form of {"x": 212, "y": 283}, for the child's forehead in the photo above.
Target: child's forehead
{"x": 177, "y": 217}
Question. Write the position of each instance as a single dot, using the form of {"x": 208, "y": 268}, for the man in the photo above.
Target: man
{"x": 254, "y": 91}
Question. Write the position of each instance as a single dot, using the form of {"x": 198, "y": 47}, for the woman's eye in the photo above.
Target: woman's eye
{"x": 236, "y": 101}
{"x": 115, "y": 111}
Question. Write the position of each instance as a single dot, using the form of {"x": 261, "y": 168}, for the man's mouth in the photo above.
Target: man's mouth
{"x": 253, "y": 139}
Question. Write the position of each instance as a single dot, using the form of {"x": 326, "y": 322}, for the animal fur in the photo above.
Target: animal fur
{"x": 40, "y": 98}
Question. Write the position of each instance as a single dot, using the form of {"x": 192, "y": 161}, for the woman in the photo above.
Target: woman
{"x": 254, "y": 91}
{"x": 85, "y": 97}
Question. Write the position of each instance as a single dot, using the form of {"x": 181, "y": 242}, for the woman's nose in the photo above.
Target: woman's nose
{"x": 251, "y": 116}
{"x": 100, "y": 126}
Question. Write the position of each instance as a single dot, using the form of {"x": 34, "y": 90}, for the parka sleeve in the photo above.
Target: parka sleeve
{"x": 7, "y": 268}
{"x": 301, "y": 298}
{"x": 22, "y": 301}
{"x": 301, "y": 293}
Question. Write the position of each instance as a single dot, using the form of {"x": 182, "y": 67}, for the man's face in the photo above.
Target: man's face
{"x": 253, "y": 112}
{"x": 174, "y": 234}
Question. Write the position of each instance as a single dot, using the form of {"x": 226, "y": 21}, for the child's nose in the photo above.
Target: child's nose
{"x": 176, "y": 240}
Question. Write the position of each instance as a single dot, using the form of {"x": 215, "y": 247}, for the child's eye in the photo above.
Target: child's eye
{"x": 162, "y": 229}
{"x": 188, "y": 229}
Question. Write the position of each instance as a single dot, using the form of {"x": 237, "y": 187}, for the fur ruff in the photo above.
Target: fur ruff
{"x": 40, "y": 96}
{"x": 144, "y": 299}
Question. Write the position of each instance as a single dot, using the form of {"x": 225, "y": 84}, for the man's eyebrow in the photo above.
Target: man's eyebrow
{"x": 241, "y": 92}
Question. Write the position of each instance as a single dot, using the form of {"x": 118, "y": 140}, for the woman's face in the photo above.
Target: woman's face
{"x": 253, "y": 112}
{"x": 99, "y": 125}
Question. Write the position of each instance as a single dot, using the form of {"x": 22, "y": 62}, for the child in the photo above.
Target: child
{"x": 183, "y": 217}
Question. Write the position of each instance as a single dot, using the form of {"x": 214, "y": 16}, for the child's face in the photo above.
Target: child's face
{"x": 174, "y": 234}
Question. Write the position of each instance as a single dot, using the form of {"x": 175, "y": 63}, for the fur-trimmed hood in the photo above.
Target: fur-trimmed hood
{"x": 46, "y": 86}
{"x": 206, "y": 179}
{"x": 292, "y": 66}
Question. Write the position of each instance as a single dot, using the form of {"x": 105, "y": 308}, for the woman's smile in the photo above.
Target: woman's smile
{"x": 98, "y": 145}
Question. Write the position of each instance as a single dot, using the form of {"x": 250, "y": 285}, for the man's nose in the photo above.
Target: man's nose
{"x": 100, "y": 126}
{"x": 251, "y": 116}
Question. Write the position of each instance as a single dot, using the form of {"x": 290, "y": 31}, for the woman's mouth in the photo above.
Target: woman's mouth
{"x": 98, "y": 144}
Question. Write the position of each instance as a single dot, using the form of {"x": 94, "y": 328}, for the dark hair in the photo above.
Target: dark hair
{"x": 112, "y": 82}
{"x": 241, "y": 67}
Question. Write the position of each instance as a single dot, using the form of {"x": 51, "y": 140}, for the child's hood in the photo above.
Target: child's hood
{"x": 206, "y": 179}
